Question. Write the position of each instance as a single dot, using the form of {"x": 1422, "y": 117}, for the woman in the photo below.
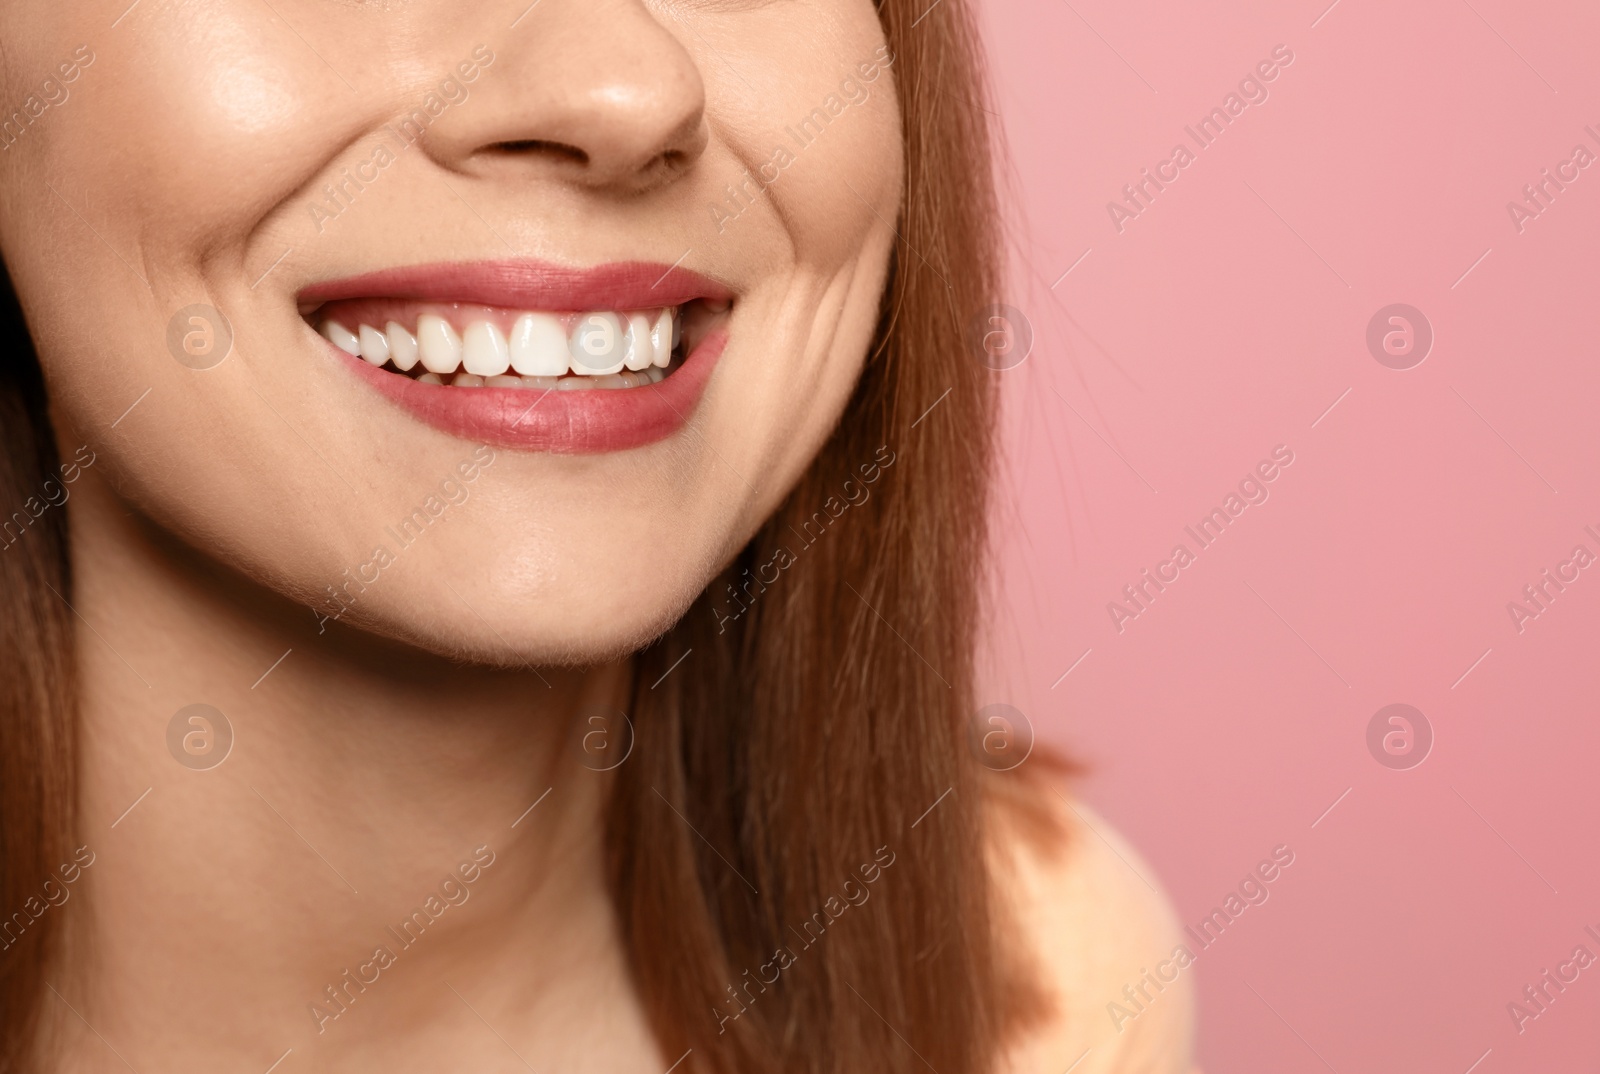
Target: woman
{"x": 496, "y": 553}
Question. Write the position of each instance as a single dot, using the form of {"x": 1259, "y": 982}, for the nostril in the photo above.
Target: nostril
{"x": 533, "y": 145}
{"x": 661, "y": 168}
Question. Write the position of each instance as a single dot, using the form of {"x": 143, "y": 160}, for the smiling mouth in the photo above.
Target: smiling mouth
{"x": 537, "y": 342}
{"x": 462, "y": 345}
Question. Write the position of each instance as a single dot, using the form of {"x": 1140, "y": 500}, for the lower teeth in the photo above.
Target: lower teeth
{"x": 653, "y": 375}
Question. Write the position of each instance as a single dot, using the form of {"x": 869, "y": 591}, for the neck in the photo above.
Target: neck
{"x": 395, "y": 850}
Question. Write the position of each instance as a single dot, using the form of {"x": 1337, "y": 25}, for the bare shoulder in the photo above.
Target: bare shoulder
{"x": 1103, "y": 939}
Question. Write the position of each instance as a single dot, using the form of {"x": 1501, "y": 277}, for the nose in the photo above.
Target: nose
{"x": 593, "y": 92}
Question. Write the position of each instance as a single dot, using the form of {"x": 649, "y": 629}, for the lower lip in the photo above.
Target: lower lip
{"x": 586, "y": 421}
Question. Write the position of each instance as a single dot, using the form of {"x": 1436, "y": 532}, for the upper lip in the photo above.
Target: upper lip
{"x": 528, "y": 284}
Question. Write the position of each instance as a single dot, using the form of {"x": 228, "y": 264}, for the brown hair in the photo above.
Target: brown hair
{"x": 831, "y": 718}
{"x": 37, "y": 721}
{"x": 797, "y": 845}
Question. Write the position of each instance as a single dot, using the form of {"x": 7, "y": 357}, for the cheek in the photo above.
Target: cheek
{"x": 249, "y": 98}
{"x": 846, "y": 183}
{"x": 212, "y": 113}
{"x": 822, "y": 228}
{"x": 838, "y": 161}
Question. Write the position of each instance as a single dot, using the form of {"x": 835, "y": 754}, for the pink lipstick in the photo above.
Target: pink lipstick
{"x": 530, "y": 355}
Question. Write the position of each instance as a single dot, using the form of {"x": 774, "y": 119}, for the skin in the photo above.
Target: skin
{"x": 384, "y": 748}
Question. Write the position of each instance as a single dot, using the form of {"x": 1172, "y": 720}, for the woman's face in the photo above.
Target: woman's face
{"x": 299, "y": 238}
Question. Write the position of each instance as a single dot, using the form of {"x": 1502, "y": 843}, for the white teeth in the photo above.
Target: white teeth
{"x": 484, "y": 350}
{"x": 604, "y": 349}
{"x": 341, "y": 337}
{"x": 402, "y": 346}
{"x": 641, "y": 350}
{"x": 439, "y": 344}
{"x": 597, "y": 344}
{"x": 662, "y": 336}
{"x": 374, "y": 347}
{"x": 538, "y": 346}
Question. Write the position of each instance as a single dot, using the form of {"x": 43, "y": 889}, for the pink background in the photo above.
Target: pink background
{"x": 1227, "y": 319}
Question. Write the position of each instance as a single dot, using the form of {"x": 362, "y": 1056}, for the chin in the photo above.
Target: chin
{"x": 516, "y": 619}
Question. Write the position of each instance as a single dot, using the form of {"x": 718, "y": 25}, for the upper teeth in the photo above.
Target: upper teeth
{"x": 539, "y": 344}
